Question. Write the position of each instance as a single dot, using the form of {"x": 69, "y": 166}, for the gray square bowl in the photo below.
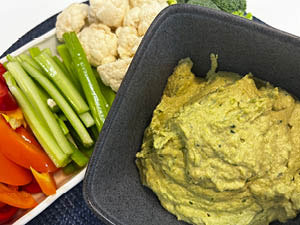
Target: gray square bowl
{"x": 112, "y": 187}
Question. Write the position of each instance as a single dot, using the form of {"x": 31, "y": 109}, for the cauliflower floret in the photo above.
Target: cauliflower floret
{"x": 113, "y": 73}
{"x": 73, "y": 18}
{"x": 128, "y": 41}
{"x": 132, "y": 18}
{"x": 147, "y": 14}
{"x": 91, "y": 17}
{"x": 136, "y": 44}
{"x": 109, "y": 12}
{"x": 141, "y": 17}
{"x": 138, "y": 3}
{"x": 99, "y": 43}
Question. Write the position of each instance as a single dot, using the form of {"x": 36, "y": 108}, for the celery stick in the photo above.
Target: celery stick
{"x": 47, "y": 51}
{"x": 70, "y": 168}
{"x": 88, "y": 152}
{"x": 30, "y": 60}
{"x": 66, "y": 71}
{"x": 87, "y": 119}
{"x": 38, "y": 126}
{"x": 34, "y": 51}
{"x": 62, "y": 82}
{"x": 65, "y": 55}
{"x": 10, "y": 58}
{"x": 33, "y": 93}
{"x": 63, "y": 117}
{"x": 97, "y": 102}
{"x": 61, "y": 102}
{"x": 79, "y": 158}
{"x": 62, "y": 124}
{"x": 61, "y": 65}
{"x": 76, "y": 139}
{"x": 67, "y": 61}
{"x": 42, "y": 93}
{"x": 18, "y": 58}
{"x": 107, "y": 92}
{"x": 93, "y": 131}
{"x": 4, "y": 64}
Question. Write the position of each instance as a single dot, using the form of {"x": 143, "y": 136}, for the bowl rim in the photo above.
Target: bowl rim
{"x": 172, "y": 10}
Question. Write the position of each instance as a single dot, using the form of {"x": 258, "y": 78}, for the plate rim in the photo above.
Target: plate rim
{"x": 76, "y": 179}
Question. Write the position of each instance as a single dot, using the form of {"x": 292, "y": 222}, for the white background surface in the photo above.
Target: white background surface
{"x": 19, "y": 16}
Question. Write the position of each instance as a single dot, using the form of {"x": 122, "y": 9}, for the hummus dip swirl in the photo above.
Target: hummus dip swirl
{"x": 224, "y": 150}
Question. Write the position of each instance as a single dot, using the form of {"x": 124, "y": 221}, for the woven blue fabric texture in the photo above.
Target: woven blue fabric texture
{"x": 69, "y": 209}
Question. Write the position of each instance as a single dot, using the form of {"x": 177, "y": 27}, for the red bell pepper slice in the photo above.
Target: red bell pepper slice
{"x": 7, "y": 102}
{"x": 6, "y": 213}
{"x": 2, "y": 71}
{"x": 32, "y": 187}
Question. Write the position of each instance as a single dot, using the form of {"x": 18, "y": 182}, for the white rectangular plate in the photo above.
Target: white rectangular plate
{"x": 64, "y": 183}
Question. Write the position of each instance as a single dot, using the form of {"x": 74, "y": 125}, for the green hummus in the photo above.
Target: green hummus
{"x": 224, "y": 150}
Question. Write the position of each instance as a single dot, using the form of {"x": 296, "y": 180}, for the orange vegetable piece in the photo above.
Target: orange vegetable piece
{"x": 11, "y": 173}
{"x": 19, "y": 199}
{"x": 16, "y": 115}
{"x": 13, "y": 187}
{"x": 16, "y": 149}
{"x": 46, "y": 182}
{"x": 27, "y": 136}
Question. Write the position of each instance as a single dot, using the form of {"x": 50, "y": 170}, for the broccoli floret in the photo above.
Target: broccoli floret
{"x": 243, "y": 14}
{"x": 173, "y": 2}
{"x": 204, "y": 3}
{"x": 231, "y": 6}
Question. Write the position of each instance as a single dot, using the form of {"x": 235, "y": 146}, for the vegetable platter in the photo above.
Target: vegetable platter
{"x": 63, "y": 181}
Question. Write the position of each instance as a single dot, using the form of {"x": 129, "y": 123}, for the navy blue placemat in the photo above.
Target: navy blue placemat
{"x": 69, "y": 209}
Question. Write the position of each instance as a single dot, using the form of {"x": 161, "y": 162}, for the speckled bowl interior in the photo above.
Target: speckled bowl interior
{"x": 112, "y": 187}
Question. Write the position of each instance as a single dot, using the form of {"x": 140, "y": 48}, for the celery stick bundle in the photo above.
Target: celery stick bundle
{"x": 63, "y": 101}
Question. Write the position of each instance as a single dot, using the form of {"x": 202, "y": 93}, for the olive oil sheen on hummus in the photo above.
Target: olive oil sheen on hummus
{"x": 223, "y": 150}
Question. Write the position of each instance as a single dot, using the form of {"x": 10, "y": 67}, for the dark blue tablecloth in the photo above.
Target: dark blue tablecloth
{"x": 69, "y": 209}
